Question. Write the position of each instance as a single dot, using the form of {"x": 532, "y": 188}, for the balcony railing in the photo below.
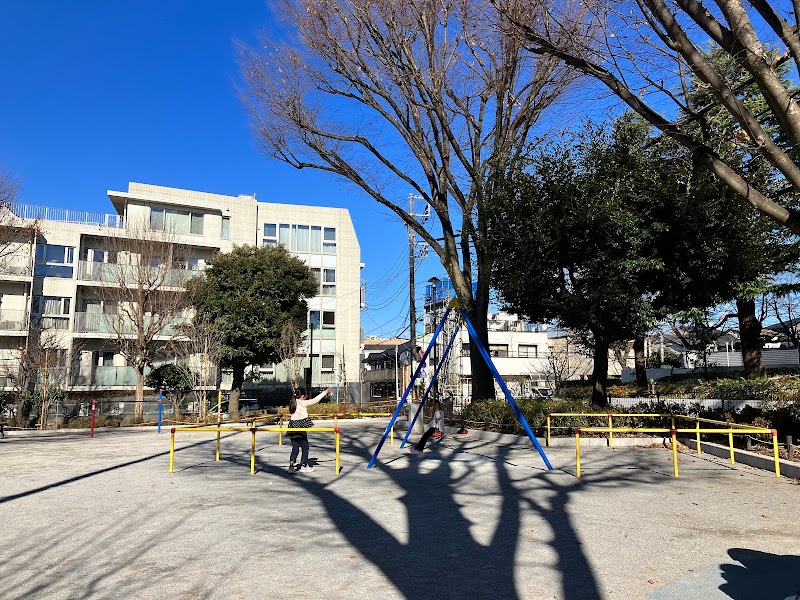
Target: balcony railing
{"x": 131, "y": 275}
{"x": 13, "y": 320}
{"x": 119, "y": 324}
{"x": 67, "y": 215}
{"x": 15, "y": 268}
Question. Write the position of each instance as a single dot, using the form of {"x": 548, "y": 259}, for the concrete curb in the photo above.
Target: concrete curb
{"x": 789, "y": 469}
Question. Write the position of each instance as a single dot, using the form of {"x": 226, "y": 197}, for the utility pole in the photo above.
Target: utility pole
{"x": 412, "y": 255}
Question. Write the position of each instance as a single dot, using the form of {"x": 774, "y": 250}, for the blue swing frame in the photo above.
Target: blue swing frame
{"x": 487, "y": 359}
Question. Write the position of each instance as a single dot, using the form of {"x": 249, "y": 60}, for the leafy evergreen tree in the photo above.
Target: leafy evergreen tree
{"x": 250, "y": 294}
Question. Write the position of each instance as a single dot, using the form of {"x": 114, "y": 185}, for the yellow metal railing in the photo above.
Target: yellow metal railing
{"x": 729, "y": 428}
{"x": 336, "y": 416}
{"x": 219, "y": 429}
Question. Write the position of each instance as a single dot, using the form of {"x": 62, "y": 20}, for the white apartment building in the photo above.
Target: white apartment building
{"x": 55, "y": 281}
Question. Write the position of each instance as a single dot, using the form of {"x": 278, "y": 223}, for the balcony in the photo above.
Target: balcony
{"x": 130, "y": 275}
{"x": 15, "y": 268}
{"x": 13, "y": 320}
{"x": 66, "y": 215}
{"x": 119, "y": 324}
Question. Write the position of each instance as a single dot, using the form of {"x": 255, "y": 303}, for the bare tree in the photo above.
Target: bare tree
{"x": 289, "y": 353}
{"x": 17, "y": 233}
{"x": 561, "y": 365}
{"x": 144, "y": 297}
{"x": 199, "y": 345}
{"x": 645, "y": 51}
{"x": 41, "y": 369}
{"x": 428, "y": 97}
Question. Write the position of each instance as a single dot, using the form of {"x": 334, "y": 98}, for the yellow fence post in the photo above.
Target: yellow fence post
{"x": 578, "y": 452}
{"x": 391, "y": 436}
{"x": 171, "y": 449}
{"x": 218, "y": 432}
{"x": 610, "y": 432}
{"x": 280, "y": 431}
{"x": 697, "y": 429}
{"x": 775, "y": 452}
{"x": 730, "y": 443}
{"x": 548, "y": 430}
{"x": 253, "y": 452}
{"x": 674, "y": 433}
{"x": 336, "y": 440}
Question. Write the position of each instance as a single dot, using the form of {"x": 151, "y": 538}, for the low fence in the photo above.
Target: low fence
{"x": 253, "y": 430}
{"x": 718, "y": 427}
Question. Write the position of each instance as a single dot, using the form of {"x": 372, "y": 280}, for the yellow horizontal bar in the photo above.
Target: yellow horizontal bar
{"x": 740, "y": 425}
{"x": 212, "y": 428}
{"x": 238, "y": 429}
{"x": 625, "y": 429}
{"x": 285, "y": 429}
{"x": 733, "y": 431}
{"x": 612, "y": 414}
{"x": 687, "y": 417}
{"x": 667, "y": 430}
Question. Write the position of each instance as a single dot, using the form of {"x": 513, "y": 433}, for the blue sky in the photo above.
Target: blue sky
{"x": 97, "y": 94}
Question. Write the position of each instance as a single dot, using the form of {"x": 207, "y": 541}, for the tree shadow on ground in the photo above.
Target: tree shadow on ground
{"x": 760, "y": 575}
{"x": 442, "y": 557}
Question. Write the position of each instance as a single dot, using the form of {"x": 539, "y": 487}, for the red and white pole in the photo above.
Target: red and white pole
{"x": 94, "y": 407}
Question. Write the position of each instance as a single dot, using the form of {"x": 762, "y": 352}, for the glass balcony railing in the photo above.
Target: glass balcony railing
{"x": 13, "y": 320}
{"x": 15, "y": 268}
{"x": 120, "y": 324}
{"x": 133, "y": 275}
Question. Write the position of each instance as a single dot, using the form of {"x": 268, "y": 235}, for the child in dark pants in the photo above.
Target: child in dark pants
{"x": 298, "y": 406}
{"x": 436, "y": 429}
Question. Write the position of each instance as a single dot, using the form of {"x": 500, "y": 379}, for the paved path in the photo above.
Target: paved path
{"x": 103, "y": 518}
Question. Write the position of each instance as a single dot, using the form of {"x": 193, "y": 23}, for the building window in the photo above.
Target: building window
{"x": 329, "y": 241}
{"x": 326, "y": 327}
{"x": 327, "y": 362}
{"x": 528, "y": 351}
{"x": 300, "y": 241}
{"x": 157, "y": 219}
{"x": 53, "y": 261}
{"x": 329, "y": 282}
{"x": 316, "y": 239}
{"x": 51, "y": 305}
{"x": 196, "y": 226}
{"x": 498, "y": 350}
{"x": 225, "y": 232}
{"x": 51, "y": 312}
{"x": 285, "y": 235}
{"x": 176, "y": 221}
{"x": 270, "y": 234}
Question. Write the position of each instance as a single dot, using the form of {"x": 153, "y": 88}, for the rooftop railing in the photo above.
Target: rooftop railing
{"x": 67, "y": 215}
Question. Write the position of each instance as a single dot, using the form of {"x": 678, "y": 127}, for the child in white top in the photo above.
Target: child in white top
{"x": 298, "y": 406}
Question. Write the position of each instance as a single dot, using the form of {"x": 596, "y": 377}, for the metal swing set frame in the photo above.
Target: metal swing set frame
{"x": 455, "y": 307}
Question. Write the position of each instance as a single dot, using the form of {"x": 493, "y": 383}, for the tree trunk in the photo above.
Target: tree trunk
{"x": 236, "y": 391}
{"x": 482, "y": 378}
{"x": 749, "y": 333}
{"x": 640, "y": 362}
{"x": 600, "y": 373}
{"x": 138, "y": 401}
{"x": 22, "y": 416}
